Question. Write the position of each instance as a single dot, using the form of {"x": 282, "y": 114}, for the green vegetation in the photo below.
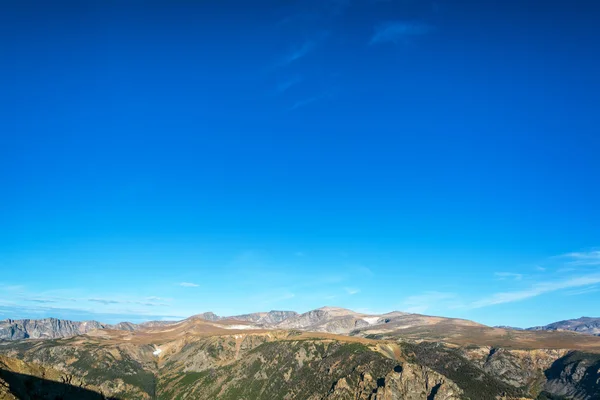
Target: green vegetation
{"x": 99, "y": 367}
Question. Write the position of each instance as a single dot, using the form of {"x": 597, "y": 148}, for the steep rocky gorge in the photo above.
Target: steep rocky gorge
{"x": 294, "y": 365}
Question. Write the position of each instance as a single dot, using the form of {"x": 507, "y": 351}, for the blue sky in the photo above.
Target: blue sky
{"x": 160, "y": 159}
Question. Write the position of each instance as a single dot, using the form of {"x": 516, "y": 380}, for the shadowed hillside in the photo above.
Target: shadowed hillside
{"x": 20, "y": 386}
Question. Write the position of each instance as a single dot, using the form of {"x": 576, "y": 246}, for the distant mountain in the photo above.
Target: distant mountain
{"x": 265, "y": 318}
{"x": 327, "y": 319}
{"x": 512, "y": 328}
{"x": 587, "y": 325}
{"x": 259, "y": 318}
{"x": 208, "y": 316}
{"x": 47, "y": 328}
{"x": 53, "y": 328}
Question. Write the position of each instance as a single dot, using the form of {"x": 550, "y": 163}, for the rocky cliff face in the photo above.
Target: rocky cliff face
{"x": 539, "y": 373}
{"x": 518, "y": 368}
{"x": 404, "y": 382}
{"x": 575, "y": 376}
{"x": 275, "y": 317}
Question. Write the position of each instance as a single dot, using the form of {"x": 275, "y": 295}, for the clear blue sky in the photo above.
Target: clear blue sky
{"x": 164, "y": 158}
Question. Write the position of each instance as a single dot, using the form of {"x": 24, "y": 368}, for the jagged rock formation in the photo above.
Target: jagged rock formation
{"x": 260, "y": 318}
{"x": 334, "y": 320}
{"x": 52, "y": 328}
{"x": 208, "y": 316}
{"x": 48, "y": 328}
{"x": 587, "y": 325}
{"x": 270, "y": 318}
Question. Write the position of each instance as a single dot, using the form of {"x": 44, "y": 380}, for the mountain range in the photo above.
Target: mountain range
{"x": 587, "y": 325}
{"x": 327, "y": 353}
{"x": 324, "y": 319}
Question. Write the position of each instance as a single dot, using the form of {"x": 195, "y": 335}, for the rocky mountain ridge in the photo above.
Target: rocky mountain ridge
{"x": 47, "y": 328}
{"x": 325, "y": 319}
{"x": 52, "y": 328}
{"x": 587, "y": 325}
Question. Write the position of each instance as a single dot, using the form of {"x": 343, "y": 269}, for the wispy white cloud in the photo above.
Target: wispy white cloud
{"x": 42, "y": 301}
{"x": 273, "y": 297}
{"x": 298, "y": 52}
{"x": 585, "y": 290}
{"x": 105, "y": 301}
{"x": 79, "y": 314}
{"x": 303, "y": 103}
{"x": 583, "y": 258}
{"x": 156, "y": 298}
{"x": 352, "y": 291}
{"x": 188, "y": 284}
{"x": 536, "y": 290}
{"x": 423, "y": 302}
{"x": 564, "y": 270}
{"x": 394, "y": 31}
{"x": 138, "y": 302}
{"x": 11, "y": 288}
{"x": 287, "y": 84}
{"x": 329, "y": 94}
{"x": 365, "y": 271}
{"x": 301, "y": 50}
{"x": 508, "y": 275}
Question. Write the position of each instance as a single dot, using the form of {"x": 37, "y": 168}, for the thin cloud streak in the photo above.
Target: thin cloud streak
{"x": 188, "y": 284}
{"x": 536, "y": 290}
{"x": 591, "y": 289}
{"x": 77, "y": 314}
{"x": 583, "y": 258}
{"x": 298, "y": 53}
{"x": 284, "y": 86}
{"x": 507, "y": 275}
{"x": 418, "y": 304}
{"x": 398, "y": 30}
{"x": 303, "y": 103}
{"x": 105, "y": 301}
{"x": 352, "y": 291}
{"x": 302, "y": 50}
{"x": 42, "y": 301}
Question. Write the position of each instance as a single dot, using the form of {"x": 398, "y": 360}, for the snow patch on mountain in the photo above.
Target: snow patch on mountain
{"x": 371, "y": 320}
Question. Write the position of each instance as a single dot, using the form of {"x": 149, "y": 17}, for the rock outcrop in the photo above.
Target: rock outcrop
{"x": 575, "y": 376}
